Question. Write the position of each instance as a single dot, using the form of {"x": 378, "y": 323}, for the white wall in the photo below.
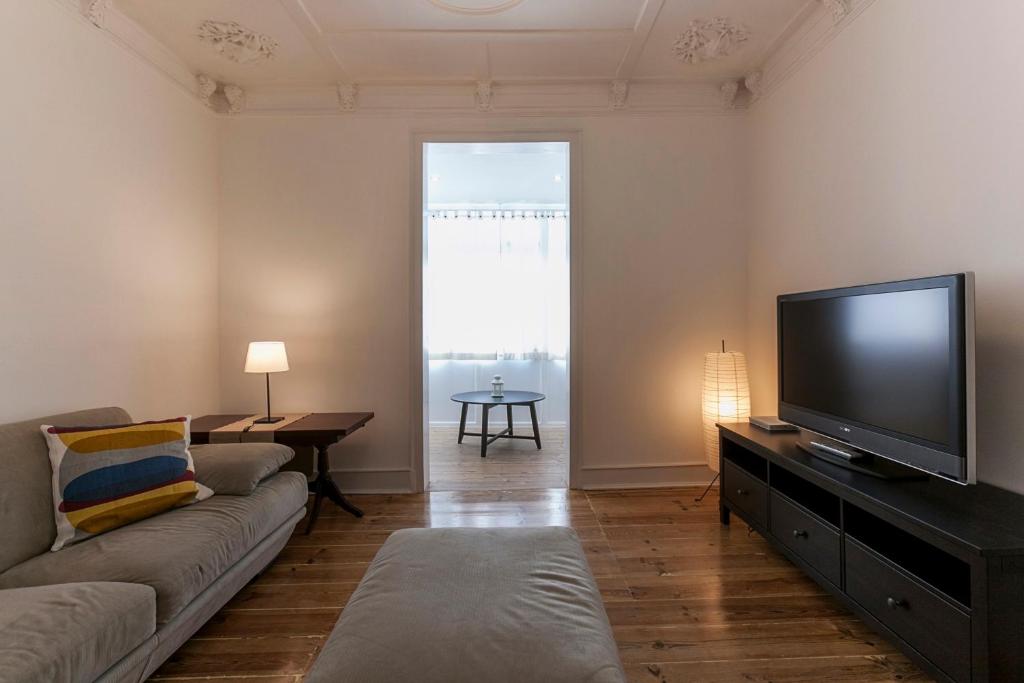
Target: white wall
{"x": 108, "y": 217}
{"x": 897, "y": 152}
{"x": 316, "y": 251}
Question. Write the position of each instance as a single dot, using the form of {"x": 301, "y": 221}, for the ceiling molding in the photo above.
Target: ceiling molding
{"x": 505, "y": 99}
{"x": 314, "y": 35}
{"x": 821, "y": 23}
{"x": 810, "y": 32}
{"x": 641, "y": 32}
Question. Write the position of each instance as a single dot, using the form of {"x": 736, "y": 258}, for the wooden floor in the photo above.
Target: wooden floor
{"x": 510, "y": 463}
{"x": 689, "y": 600}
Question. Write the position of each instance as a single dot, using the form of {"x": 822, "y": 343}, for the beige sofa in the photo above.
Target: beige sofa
{"x": 116, "y": 606}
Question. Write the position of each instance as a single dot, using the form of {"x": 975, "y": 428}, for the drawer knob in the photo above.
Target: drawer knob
{"x": 799, "y": 533}
{"x": 741, "y": 492}
{"x": 893, "y": 603}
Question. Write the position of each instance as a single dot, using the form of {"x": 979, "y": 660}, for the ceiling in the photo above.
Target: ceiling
{"x": 320, "y": 42}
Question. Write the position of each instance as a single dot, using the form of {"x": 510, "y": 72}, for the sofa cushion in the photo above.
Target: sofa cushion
{"x": 179, "y": 553}
{"x": 236, "y": 469}
{"x": 26, "y": 490}
{"x": 106, "y": 477}
{"x": 71, "y": 632}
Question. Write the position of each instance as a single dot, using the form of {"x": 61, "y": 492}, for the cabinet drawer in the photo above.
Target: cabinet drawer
{"x": 930, "y": 624}
{"x": 814, "y": 541}
{"x": 746, "y": 493}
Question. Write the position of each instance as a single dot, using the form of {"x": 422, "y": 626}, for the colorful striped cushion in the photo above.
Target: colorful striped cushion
{"x": 106, "y": 477}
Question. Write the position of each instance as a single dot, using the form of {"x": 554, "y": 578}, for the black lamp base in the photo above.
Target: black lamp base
{"x": 267, "y": 420}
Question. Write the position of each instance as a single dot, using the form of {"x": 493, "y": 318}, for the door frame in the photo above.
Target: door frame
{"x": 419, "y": 365}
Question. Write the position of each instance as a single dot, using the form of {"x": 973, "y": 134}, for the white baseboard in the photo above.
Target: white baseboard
{"x": 397, "y": 480}
{"x": 645, "y": 476}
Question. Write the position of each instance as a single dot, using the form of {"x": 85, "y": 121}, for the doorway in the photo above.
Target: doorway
{"x": 496, "y": 321}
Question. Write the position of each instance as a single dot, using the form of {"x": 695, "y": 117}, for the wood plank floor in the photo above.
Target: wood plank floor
{"x": 510, "y": 463}
{"x": 688, "y": 600}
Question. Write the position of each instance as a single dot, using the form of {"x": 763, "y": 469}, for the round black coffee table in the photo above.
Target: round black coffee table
{"x": 486, "y": 402}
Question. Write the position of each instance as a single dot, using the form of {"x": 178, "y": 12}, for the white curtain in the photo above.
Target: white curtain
{"x": 497, "y": 285}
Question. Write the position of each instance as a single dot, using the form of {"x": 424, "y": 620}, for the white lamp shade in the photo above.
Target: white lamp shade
{"x": 725, "y": 399}
{"x": 266, "y": 357}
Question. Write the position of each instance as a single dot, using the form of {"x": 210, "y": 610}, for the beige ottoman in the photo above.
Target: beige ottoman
{"x": 474, "y": 606}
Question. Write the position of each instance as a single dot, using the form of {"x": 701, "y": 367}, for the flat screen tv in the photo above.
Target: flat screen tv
{"x": 883, "y": 370}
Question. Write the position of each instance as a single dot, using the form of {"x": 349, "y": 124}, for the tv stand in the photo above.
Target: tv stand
{"x": 935, "y": 567}
{"x": 858, "y": 461}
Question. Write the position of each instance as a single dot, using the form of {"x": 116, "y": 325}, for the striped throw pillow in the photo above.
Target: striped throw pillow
{"x": 106, "y": 477}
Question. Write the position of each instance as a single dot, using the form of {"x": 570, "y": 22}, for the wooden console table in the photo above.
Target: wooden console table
{"x": 319, "y": 430}
{"x": 936, "y": 567}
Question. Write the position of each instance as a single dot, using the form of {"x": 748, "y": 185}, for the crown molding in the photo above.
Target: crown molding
{"x": 823, "y": 21}
{"x": 488, "y": 99}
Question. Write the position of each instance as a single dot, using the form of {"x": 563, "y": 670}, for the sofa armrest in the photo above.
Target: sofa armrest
{"x": 236, "y": 469}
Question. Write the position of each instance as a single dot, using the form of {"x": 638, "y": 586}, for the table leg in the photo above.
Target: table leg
{"x": 318, "y": 499}
{"x": 484, "y": 410}
{"x": 462, "y": 421}
{"x": 334, "y": 493}
{"x": 510, "y": 432}
{"x": 325, "y": 486}
{"x": 536, "y": 428}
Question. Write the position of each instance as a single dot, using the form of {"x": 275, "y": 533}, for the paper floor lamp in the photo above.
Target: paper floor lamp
{"x": 725, "y": 398}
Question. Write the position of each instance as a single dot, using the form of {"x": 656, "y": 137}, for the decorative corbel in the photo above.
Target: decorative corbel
{"x": 618, "y": 94}
{"x": 206, "y": 87}
{"x": 236, "y": 99}
{"x": 94, "y": 10}
{"x": 728, "y": 92}
{"x": 838, "y": 8}
{"x": 484, "y": 96}
{"x": 754, "y": 83}
{"x": 348, "y": 94}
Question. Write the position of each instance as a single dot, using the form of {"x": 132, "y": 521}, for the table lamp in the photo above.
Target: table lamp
{"x": 266, "y": 357}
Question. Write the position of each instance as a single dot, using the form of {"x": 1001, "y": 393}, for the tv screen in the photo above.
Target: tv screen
{"x": 884, "y": 368}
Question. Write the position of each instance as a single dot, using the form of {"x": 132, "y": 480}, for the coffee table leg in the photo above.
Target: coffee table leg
{"x": 484, "y": 410}
{"x": 462, "y": 421}
{"x": 536, "y": 429}
{"x": 510, "y": 432}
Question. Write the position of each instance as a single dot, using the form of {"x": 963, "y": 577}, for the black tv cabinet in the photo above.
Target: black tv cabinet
{"x": 935, "y": 567}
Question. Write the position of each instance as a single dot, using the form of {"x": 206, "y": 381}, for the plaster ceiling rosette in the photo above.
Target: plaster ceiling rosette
{"x": 707, "y": 40}
{"x": 236, "y": 43}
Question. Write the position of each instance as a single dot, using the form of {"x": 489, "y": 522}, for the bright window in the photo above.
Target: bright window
{"x": 497, "y": 284}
